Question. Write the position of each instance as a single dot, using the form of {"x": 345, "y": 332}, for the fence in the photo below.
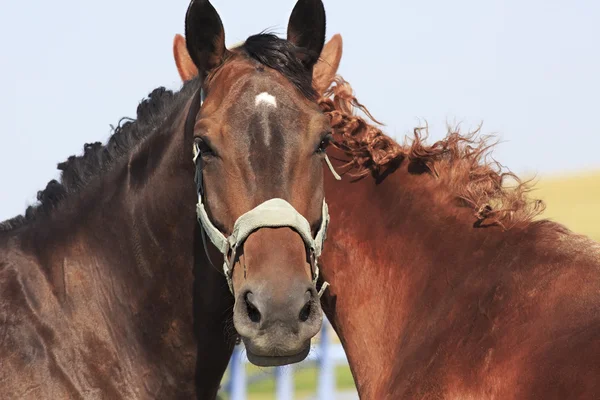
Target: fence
{"x": 325, "y": 354}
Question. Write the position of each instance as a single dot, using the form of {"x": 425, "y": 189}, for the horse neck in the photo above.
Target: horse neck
{"x": 194, "y": 291}
{"x": 114, "y": 264}
{"x": 389, "y": 245}
{"x": 130, "y": 218}
{"x": 188, "y": 294}
{"x": 129, "y": 230}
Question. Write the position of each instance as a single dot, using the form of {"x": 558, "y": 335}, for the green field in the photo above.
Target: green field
{"x": 572, "y": 200}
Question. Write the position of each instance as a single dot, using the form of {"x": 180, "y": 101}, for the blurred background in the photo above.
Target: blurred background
{"x": 527, "y": 70}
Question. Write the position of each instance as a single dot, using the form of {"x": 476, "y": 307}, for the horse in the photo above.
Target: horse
{"x": 108, "y": 284}
{"x": 444, "y": 280}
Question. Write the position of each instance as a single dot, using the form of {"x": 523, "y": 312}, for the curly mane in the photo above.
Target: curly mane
{"x": 458, "y": 161}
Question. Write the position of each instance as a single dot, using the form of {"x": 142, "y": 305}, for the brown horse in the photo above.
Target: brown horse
{"x": 106, "y": 284}
{"x": 444, "y": 285}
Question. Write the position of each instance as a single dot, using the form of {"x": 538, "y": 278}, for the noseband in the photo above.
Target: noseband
{"x": 273, "y": 213}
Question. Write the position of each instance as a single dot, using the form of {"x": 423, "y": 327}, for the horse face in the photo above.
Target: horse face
{"x": 261, "y": 139}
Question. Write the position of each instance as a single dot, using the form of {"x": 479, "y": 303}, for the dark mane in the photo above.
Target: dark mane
{"x": 459, "y": 161}
{"x": 78, "y": 171}
{"x": 282, "y": 56}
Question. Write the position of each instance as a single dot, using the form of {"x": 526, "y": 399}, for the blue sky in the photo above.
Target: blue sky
{"x": 530, "y": 70}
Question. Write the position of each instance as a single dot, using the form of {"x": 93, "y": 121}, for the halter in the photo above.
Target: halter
{"x": 273, "y": 213}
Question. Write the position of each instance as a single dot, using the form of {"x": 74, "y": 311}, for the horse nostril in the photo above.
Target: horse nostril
{"x": 252, "y": 310}
{"x": 305, "y": 312}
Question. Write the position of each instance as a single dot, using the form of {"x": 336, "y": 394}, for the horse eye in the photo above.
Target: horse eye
{"x": 324, "y": 143}
{"x": 205, "y": 149}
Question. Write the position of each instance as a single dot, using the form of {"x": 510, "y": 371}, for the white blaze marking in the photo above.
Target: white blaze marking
{"x": 266, "y": 98}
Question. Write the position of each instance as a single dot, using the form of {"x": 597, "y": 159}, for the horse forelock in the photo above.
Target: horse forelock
{"x": 461, "y": 162}
{"x": 280, "y": 55}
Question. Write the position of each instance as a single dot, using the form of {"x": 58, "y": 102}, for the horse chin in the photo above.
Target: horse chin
{"x": 276, "y": 361}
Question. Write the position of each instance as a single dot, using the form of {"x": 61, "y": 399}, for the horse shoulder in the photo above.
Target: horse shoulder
{"x": 545, "y": 334}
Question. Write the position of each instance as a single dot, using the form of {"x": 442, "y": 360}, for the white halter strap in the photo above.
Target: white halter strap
{"x": 274, "y": 213}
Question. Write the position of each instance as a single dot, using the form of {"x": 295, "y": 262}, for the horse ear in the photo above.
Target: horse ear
{"x": 306, "y": 29}
{"x": 185, "y": 66}
{"x": 205, "y": 36}
{"x": 328, "y": 64}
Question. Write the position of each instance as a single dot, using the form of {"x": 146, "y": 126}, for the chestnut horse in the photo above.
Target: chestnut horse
{"x": 108, "y": 283}
{"x": 443, "y": 282}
